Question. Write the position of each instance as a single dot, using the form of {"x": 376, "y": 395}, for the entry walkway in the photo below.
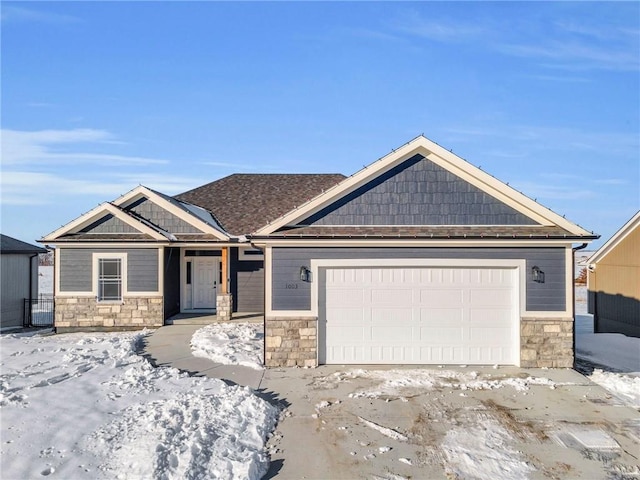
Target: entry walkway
{"x": 170, "y": 346}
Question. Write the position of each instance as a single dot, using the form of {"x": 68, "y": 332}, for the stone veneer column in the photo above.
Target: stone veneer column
{"x": 78, "y": 313}
{"x": 291, "y": 342}
{"x": 224, "y": 306}
{"x": 546, "y": 342}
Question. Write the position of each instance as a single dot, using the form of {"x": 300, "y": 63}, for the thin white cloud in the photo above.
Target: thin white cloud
{"x": 37, "y": 188}
{"x": 567, "y": 45}
{"x": 575, "y": 55}
{"x": 60, "y": 147}
{"x": 12, "y": 13}
{"x": 540, "y": 191}
{"x": 34, "y": 188}
{"x": 440, "y": 30}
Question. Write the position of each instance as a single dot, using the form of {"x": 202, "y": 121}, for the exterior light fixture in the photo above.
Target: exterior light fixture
{"x": 305, "y": 274}
{"x": 538, "y": 275}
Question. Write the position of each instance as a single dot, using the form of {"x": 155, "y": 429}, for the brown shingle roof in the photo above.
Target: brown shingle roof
{"x": 242, "y": 203}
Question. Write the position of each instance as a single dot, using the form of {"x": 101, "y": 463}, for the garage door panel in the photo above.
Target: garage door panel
{"x": 490, "y": 336}
{"x": 420, "y": 315}
{"x": 441, "y": 335}
{"x": 490, "y": 317}
{"x": 393, "y": 296}
{"x": 490, "y": 296}
{"x": 439, "y": 296}
{"x": 346, "y": 297}
{"x": 392, "y": 334}
{"x": 441, "y": 317}
{"x": 391, "y": 316}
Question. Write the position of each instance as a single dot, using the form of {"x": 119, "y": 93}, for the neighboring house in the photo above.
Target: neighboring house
{"x": 613, "y": 282}
{"x": 19, "y": 265}
{"x": 419, "y": 258}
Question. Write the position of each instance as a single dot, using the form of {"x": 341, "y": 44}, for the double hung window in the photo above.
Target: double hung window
{"x": 110, "y": 278}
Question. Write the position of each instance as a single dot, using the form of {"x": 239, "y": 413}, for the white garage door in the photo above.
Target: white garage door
{"x": 419, "y": 315}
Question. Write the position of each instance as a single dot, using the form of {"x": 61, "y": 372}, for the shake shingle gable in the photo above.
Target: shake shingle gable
{"x": 243, "y": 203}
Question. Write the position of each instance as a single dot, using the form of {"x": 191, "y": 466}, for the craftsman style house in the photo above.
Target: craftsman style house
{"x": 418, "y": 258}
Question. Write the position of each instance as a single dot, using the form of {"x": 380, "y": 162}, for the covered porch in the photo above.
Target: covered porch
{"x": 206, "y": 318}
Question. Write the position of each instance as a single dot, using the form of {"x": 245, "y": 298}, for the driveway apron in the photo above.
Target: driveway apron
{"x": 353, "y": 422}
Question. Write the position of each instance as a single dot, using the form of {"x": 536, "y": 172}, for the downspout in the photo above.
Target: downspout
{"x": 573, "y": 296}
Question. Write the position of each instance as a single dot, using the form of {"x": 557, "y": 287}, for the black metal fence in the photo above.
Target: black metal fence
{"x": 38, "y": 312}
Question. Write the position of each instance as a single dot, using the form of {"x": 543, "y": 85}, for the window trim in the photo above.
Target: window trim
{"x": 97, "y": 256}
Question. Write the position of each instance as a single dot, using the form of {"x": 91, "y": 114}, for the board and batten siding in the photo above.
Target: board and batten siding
{"x": 289, "y": 293}
{"x": 247, "y": 284}
{"x": 76, "y": 269}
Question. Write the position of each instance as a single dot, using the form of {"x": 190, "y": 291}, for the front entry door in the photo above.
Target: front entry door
{"x": 205, "y": 282}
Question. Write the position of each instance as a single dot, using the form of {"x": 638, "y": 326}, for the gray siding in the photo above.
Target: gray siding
{"x": 247, "y": 284}
{"x": 142, "y": 270}
{"x": 14, "y": 283}
{"x": 109, "y": 224}
{"x": 76, "y": 269}
{"x": 161, "y": 218}
{"x": 289, "y": 293}
{"x": 418, "y": 192}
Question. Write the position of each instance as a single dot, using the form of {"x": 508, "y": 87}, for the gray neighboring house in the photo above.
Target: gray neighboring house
{"x": 19, "y": 265}
{"x": 419, "y": 258}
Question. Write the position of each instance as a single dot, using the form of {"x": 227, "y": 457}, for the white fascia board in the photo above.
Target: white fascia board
{"x": 142, "y": 191}
{"x": 343, "y": 188}
{"x": 447, "y": 160}
{"x": 111, "y": 245}
{"x": 617, "y": 237}
{"x": 74, "y": 224}
{"x": 362, "y": 243}
{"x": 93, "y": 215}
{"x": 499, "y": 189}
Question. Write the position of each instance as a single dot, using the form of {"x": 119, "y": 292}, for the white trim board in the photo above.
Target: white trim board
{"x": 142, "y": 191}
{"x": 447, "y": 160}
{"x": 95, "y": 214}
{"x": 316, "y": 264}
{"x": 617, "y": 237}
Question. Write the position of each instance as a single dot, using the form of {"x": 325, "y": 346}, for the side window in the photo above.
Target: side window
{"x": 110, "y": 277}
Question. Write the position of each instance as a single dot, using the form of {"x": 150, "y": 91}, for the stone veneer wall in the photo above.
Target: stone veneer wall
{"x": 291, "y": 342}
{"x": 546, "y": 342}
{"x": 78, "y": 313}
{"x": 224, "y": 306}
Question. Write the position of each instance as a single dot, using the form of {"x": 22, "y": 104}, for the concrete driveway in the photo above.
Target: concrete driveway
{"x": 430, "y": 422}
{"x": 348, "y": 422}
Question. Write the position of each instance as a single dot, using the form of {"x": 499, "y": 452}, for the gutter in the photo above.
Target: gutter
{"x": 573, "y": 296}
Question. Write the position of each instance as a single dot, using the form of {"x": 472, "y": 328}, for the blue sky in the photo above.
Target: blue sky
{"x": 100, "y": 97}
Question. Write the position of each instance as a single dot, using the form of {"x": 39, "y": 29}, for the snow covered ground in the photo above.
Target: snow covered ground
{"x": 87, "y": 406}
{"x": 615, "y": 356}
{"x": 45, "y": 280}
{"x": 230, "y": 344}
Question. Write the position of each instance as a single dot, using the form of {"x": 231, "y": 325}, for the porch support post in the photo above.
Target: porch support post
{"x": 224, "y": 288}
{"x": 224, "y": 302}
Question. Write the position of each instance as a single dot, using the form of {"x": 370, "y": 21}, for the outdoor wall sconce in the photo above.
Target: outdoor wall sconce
{"x": 305, "y": 274}
{"x": 538, "y": 275}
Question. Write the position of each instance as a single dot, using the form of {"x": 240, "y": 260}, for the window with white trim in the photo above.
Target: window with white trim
{"x": 110, "y": 271}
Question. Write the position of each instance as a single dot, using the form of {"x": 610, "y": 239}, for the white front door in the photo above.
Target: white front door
{"x": 205, "y": 282}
